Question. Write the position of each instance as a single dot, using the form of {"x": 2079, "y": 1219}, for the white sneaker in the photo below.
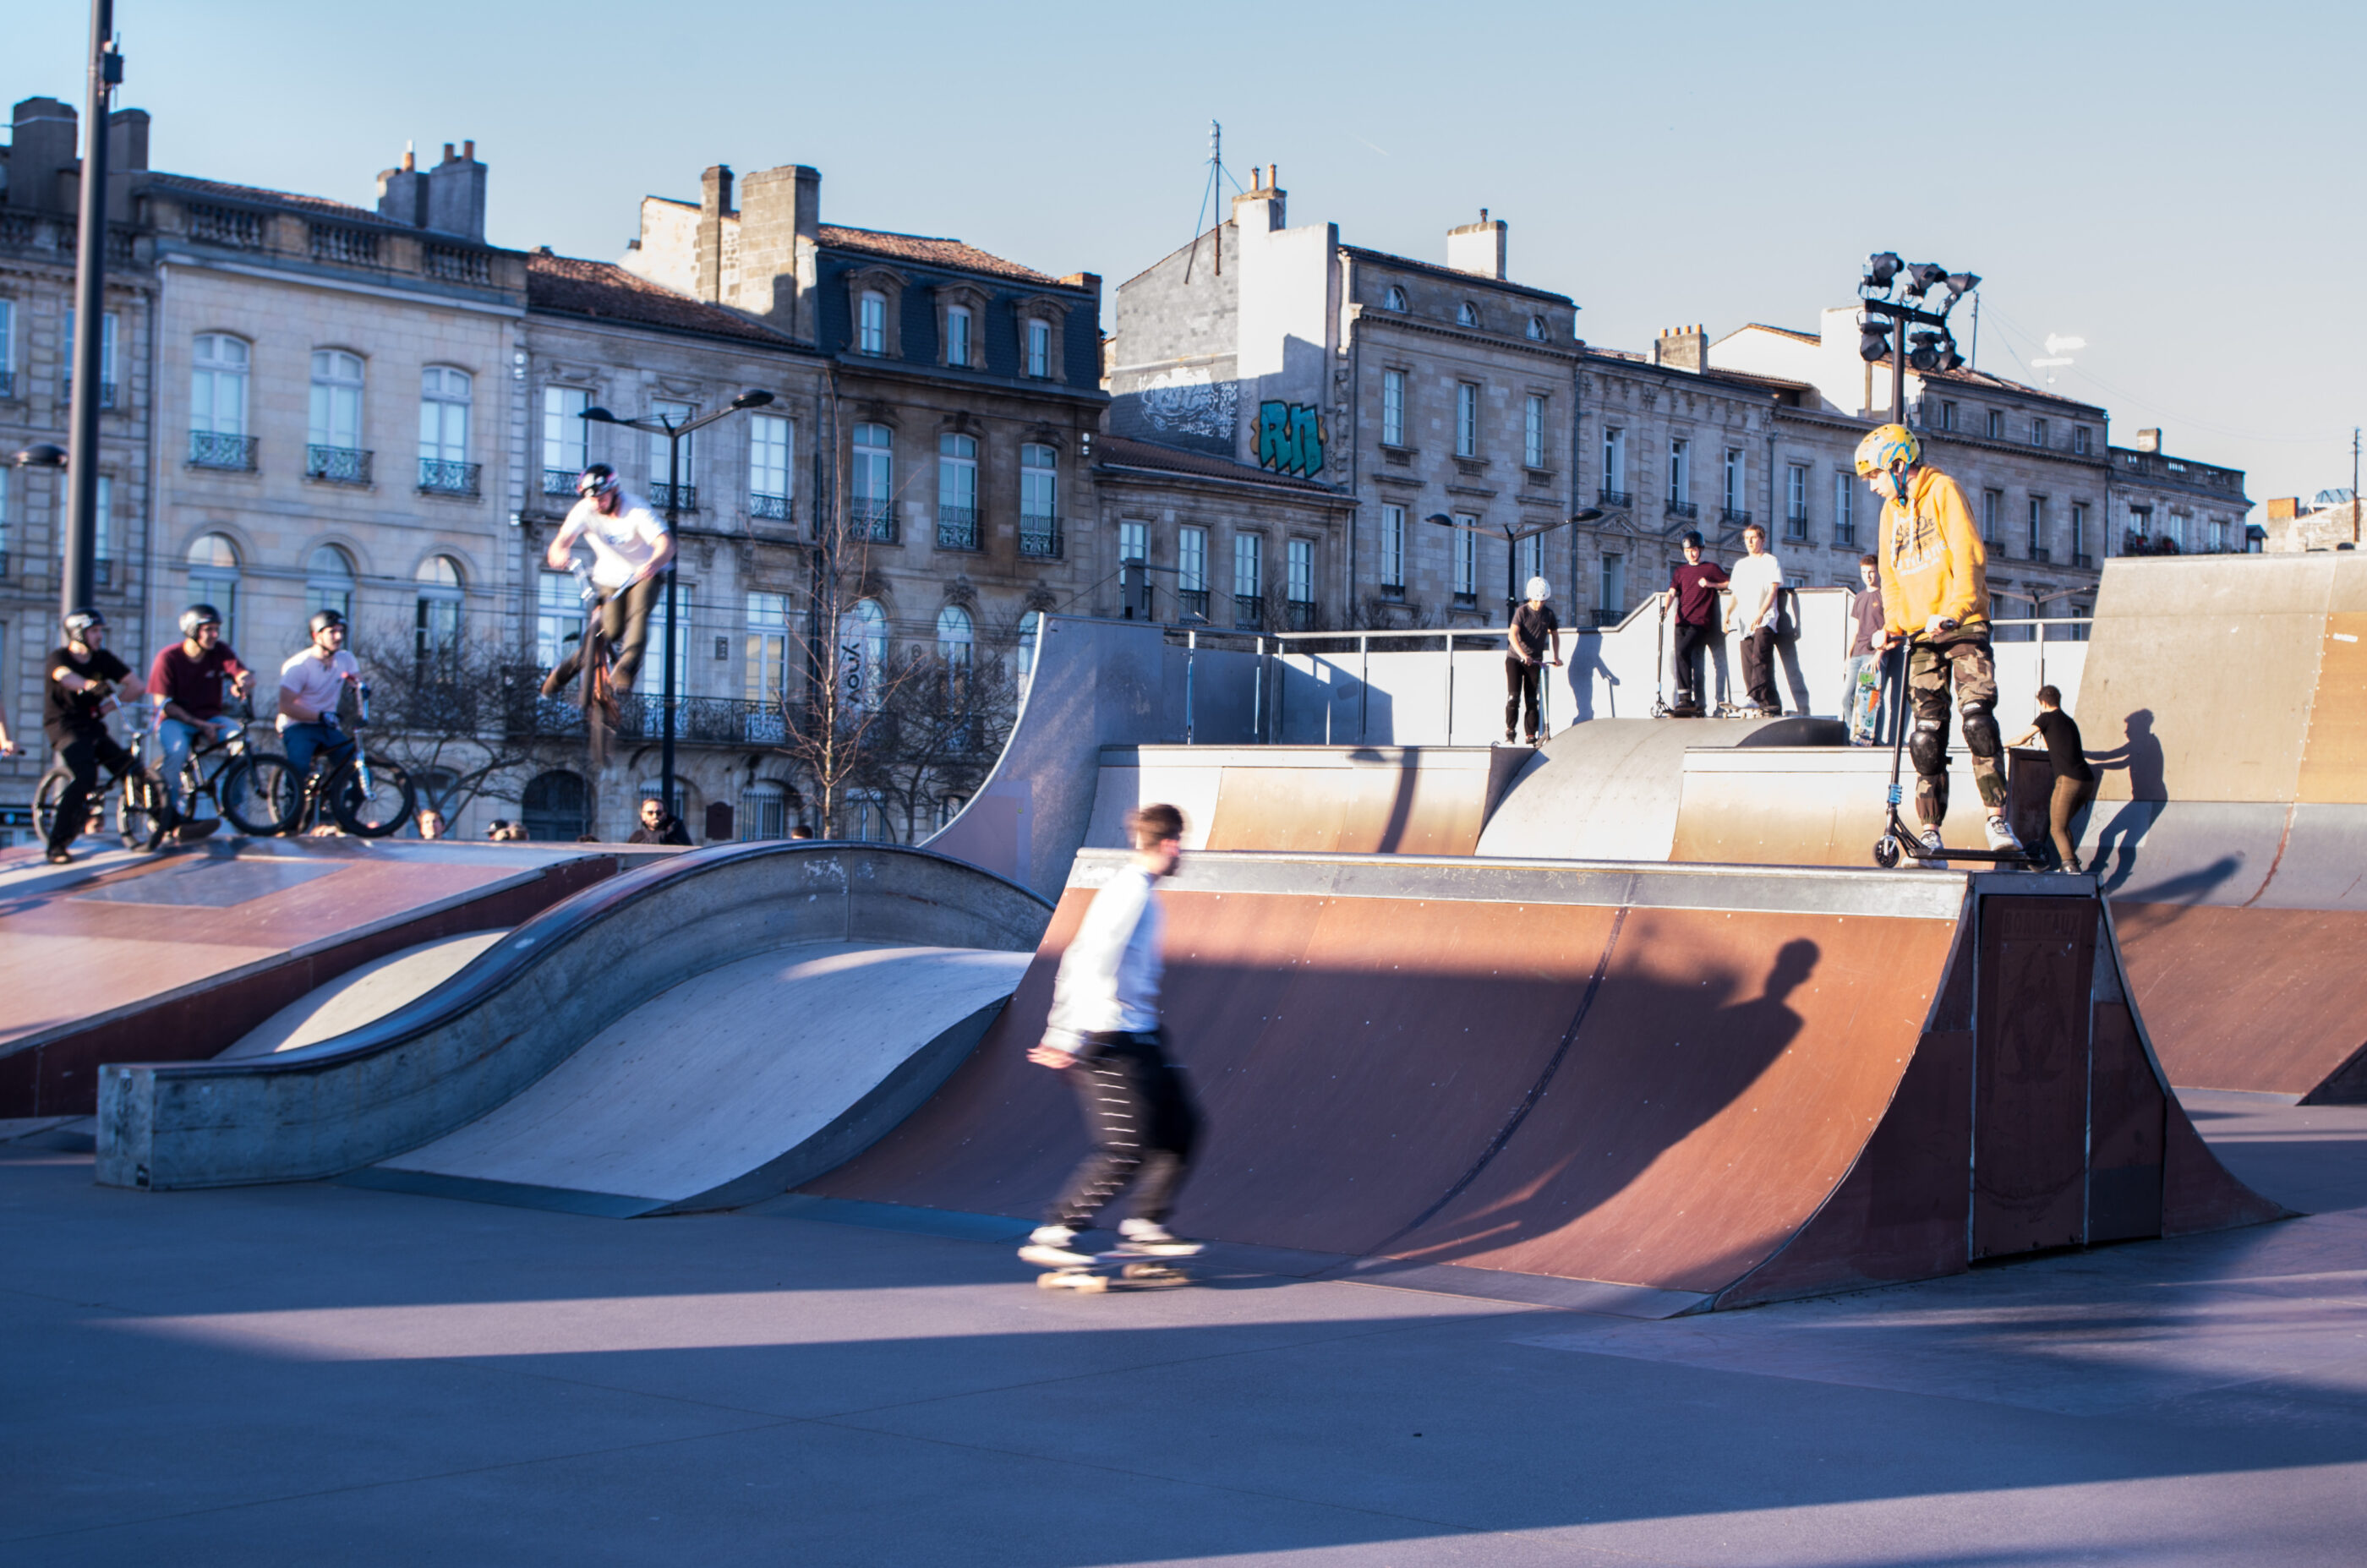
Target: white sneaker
{"x": 1154, "y": 1240}
{"x": 1930, "y": 846}
{"x": 1054, "y": 1247}
{"x": 2002, "y": 836}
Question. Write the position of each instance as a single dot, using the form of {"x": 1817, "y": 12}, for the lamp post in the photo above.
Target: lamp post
{"x": 1513, "y": 537}
{"x": 673, "y": 433}
{"x": 1897, "y": 292}
{"x": 80, "y": 566}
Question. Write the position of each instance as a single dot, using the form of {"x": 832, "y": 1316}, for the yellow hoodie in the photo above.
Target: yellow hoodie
{"x": 1932, "y": 561}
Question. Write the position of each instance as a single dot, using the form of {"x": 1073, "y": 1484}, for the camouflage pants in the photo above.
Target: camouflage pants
{"x": 1929, "y": 672}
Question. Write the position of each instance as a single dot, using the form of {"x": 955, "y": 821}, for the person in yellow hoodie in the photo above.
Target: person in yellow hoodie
{"x": 1935, "y": 589}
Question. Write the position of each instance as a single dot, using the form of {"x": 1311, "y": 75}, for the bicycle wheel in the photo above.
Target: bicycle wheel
{"x": 257, "y": 792}
{"x": 140, "y": 816}
{"x": 370, "y": 797}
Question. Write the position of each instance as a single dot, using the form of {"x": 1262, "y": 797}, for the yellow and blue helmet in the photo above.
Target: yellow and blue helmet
{"x": 1888, "y": 449}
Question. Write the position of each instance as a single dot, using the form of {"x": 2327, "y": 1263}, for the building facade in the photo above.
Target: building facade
{"x": 2166, "y": 505}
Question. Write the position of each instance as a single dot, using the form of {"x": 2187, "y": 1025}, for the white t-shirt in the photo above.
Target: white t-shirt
{"x": 622, "y": 545}
{"x": 1751, "y": 577}
{"x": 310, "y": 686}
{"x": 1110, "y": 976}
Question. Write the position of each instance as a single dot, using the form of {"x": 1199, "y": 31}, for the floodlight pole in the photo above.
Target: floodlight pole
{"x": 80, "y": 552}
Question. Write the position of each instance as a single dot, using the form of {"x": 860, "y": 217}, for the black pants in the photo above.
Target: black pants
{"x": 1521, "y": 680}
{"x": 625, "y": 622}
{"x": 1759, "y": 670}
{"x": 1142, "y": 1123}
{"x": 1689, "y": 641}
{"x": 82, "y": 752}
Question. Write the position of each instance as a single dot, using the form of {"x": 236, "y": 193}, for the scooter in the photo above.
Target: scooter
{"x": 1897, "y": 836}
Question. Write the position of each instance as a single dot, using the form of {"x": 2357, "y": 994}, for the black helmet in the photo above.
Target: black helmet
{"x": 597, "y": 479}
{"x": 1693, "y": 537}
{"x": 198, "y": 616}
{"x": 323, "y": 620}
{"x": 81, "y": 620}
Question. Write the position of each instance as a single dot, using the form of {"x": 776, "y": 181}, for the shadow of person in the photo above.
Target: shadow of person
{"x": 2140, "y": 756}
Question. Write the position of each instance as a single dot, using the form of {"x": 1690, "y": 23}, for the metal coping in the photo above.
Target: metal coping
{"x": 1809, "y": 890}
{"x": 1428, "y": 758}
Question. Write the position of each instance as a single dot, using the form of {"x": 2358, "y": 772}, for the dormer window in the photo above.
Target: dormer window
{"x": 1466, "y": 314}
{"x": 873, "y": 326}
{"x": 1039, "y": 347}
{"x": 1394, "y": 300}
{"x": 957, "y": 334}
{"x": 1536, "y": 329}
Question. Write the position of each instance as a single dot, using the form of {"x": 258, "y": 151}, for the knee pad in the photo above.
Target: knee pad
{"x": 1980, "y": 730}
{"x": 1928, "y": 749}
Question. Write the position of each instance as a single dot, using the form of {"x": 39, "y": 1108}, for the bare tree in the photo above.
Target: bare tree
{"x": 945, "y": 721}
{"x": 456, "y": 714}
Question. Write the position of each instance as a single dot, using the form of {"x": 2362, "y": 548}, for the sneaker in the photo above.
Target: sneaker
{"x": 1154, "y": 1240}
{"x": 2001, "y": 836}
{"x": 1508, "y": 738}
{"x": 1055, "y": 1248}
{"x": 2073, "y": 866}
{"x": 1930, "y": 846}
{"x": 59, "y": 857}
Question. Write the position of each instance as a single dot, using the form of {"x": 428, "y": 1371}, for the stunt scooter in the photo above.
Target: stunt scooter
{"x": 1897, "y": 836}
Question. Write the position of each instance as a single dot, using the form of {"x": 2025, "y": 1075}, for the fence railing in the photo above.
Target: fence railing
{"x": 338, "y": 465}
{"x": 956, "y": 527}
{"x": 441, "y": 476}
{"x": 212, "y": 449}
{"x": 1039, "y": 536}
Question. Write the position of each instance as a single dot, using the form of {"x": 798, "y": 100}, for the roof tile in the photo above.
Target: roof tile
{"x": 936, "y": 252}
{"x": 574, "y": 286}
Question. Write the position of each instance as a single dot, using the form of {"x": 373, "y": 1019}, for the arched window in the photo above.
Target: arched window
{"x": 874, "y": 482}
{"x": 874, "y": 323}
{"x": 955, "y": 635}
{"x": 329, "y": 582}
{"x": 862, "y": 652}
{"x": 1536, "y": 329}
{"x": 218, "y": 386}
{"x": 213, "y": 579}
{"x": 556, "y": 808}
{"x": 956, "y": 492}
{"x": 444, "y": 465}
{"x": 1466, "y": 314}
{"x": 1394, "y": 300}
{"x": 1029, "y": 624}
{"x": 332, "y": 434}
{"x": 763, "y": 811}
{"x": 436, "y": 638}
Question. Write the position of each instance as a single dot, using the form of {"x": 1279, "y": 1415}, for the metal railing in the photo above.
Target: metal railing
{"x": 1249, "y": 611}
{"x": 678, "y": 498}
{"x": 869, "y": 519}
{"x": 1193, "y": 602}
{"x": 772, "y": 508}
{"x": 559, "y": 481}
{"x": 1727, "y": 517}
{"x": 1684, "y": 509}
{"x": 1609, "y": 497}
{"x": 338, "y": 465}
{"x": 106, "y": 391}
{"x": 956, "y": 527}
{"x": 698, "y": 721}
{"x": 1302, "y": 616}
{"x": 1040, "y": 538}
{"x": 213, "y": 449}
{"x": 442, "y": 475}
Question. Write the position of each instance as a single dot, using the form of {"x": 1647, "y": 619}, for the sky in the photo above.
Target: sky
{"x": 2176, "y": 184}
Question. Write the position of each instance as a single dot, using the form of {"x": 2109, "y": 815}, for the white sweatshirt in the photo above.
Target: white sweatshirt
{"x": 1109, "y": 977}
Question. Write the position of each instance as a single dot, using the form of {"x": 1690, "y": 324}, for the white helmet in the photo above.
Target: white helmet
{"x": 1539, "y": 588}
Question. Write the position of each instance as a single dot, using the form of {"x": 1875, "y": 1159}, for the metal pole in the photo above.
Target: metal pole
{"x": 1898, "y": 373}
{"x": 80, "y": 552}
{"x": 673, "y": 507}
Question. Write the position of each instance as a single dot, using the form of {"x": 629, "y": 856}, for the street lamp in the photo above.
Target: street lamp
{"x": 1513, "y": 537}
{"x": 1885, "y": 290}
{"x": 658, "y": 424}
{"x": 80, "y": 552}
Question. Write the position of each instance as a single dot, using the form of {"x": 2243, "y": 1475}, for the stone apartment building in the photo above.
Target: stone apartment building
{"x": 1410, "y": 389}
{"x": 2166, "y": 505}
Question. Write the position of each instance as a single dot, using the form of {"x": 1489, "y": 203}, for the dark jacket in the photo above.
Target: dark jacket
{"x": 669, "y": 831}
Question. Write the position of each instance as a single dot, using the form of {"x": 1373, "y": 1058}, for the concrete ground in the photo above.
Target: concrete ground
{"x": 324, "y": 1374}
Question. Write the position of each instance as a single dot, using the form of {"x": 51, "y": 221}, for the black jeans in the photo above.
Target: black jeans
{"x": 1759, "y": 670}
{"x": 625, "y": 622}
{"x": 1521, "y": 680}
{"x": 1143, "y": 1125}
{"x": 82, "y": 752}
{"x": 1689, "y": 641}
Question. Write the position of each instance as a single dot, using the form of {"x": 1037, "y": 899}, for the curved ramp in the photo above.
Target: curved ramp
{"x": 533, "y": 1000}
{"x": 364, "y": 996}
{"x": 1330, "y": 799}
{"x": 1697, "y": 1086}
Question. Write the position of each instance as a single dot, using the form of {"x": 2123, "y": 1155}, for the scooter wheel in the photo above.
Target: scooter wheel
{"x": 1885, "y": 851}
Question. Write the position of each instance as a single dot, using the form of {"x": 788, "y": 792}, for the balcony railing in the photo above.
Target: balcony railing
{"x": 226, "y": 226}
{"x": 676, "y": 498}
{"x": 1302, "y": 615}
{"x": 441, "y": 476}
{"x": 771, "y": 508}
{"x": 1610, "y": 497}
{"x": 2086, "y": 563}
{"x": 560, "y": 481}
{"x": 1684, "y": 509}
{"x": 349, "y": 247}
{"x": 338, "y": 465}
{"x": 106, "y": 391}
{"x": 1248, "y": 610}
{"x": 214, "y": 449}
{"x": 1727, "y": 517}
{"x": 1040, "y": 538}
{"x": 871, "y": 519}
{"x": 1845, "y": 534}
{"x": 1194, "y": 602}
{"x": 697, "y": 721}
{"x": 956, "y": 527}
{"x": 2041, "y": 553}
{"x": 456, "y": 265}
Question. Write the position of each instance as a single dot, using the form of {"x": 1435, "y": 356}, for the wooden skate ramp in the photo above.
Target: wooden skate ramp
{"x": 1707, "y": 1085}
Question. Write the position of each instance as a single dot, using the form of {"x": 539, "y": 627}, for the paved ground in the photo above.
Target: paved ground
{"x": 317, "y": 1374}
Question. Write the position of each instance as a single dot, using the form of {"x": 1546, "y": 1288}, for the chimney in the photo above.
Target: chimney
{"x": 1260, "y": 210}
{"x": 402, "y": 193}
{"x": 456, "y": 196}
{"x": 780, "y": 224}
{"x": 2149, "y": 440}
{"x": 41, "y": 149}
{"x": 127, "y": 142}
{"x": 1478, "y": 247}
{"x": 1681, "y": 348}
{"x": 2283, "y": 507}
{"x": 714, "y": 207}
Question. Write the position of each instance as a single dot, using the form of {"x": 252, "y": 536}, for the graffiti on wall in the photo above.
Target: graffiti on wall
{"x": 1290, "y": 438}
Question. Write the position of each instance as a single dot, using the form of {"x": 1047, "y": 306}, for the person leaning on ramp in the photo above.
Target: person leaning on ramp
{"x": 1936, "y": 595}
{"x": 1104, "y": 1033}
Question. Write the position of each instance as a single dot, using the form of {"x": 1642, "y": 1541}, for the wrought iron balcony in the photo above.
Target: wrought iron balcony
{"x": 1249, "y": 611}
{"x": 956, "y": 527}
{"x": 1609, "y": 497}
{"x": 338, "y": 465}
{"x": 216, "y": 449}
{"x": 441, "y": 476}
{"x": 771, "y": 508}
{"x": 697, "y": 721}
{"x": 868, "y": 518}
{"x": 1040, "y": 538}
{"x": 2041, "y": 553}
{"x": 1194, "y": 602}
{"x": 1686, "y": 509}
{"x": 560, "y": 481}
{"x": 1728, "y": 517}
{"x": 676, "y": 498}
{"x": 1302, "y": 615}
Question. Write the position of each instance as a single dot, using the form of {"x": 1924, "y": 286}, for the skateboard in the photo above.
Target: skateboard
{"x": 1115, "y": 1270}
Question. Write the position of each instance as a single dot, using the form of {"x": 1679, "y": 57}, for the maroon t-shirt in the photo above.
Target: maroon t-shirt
{"x": 1697, "y": 586}
{"x": 194, "y": 685}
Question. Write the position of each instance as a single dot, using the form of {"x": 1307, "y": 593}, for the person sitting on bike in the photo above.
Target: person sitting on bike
{"x": 188, "y": 679}
{"x": 82, "y": 676}
{"x": 311, "y": 682}
{"x": 630, "y": 547}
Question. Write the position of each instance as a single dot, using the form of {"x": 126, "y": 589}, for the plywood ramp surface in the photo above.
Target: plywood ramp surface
{"x": 2271, "y": 1000}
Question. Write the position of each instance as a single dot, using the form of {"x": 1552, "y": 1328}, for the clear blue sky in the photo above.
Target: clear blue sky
{"x": 2178, "y": 184}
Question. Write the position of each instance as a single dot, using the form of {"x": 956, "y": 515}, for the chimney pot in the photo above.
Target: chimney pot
{"x": 468, "y": 150}
{"x": 448, "y": 151}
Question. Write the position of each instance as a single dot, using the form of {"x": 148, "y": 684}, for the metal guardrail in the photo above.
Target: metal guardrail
{"x": 441, "y": 476}
{"x": 212, "y": 449}
{"x": 338, "y": 465}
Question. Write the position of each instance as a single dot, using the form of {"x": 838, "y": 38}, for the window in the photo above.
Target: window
{"x": 329, "y": 582}
{"x": 763, "y": 811}
{"x": 772, "y": 472}
{"x": 1133, "y": 543}
{"x": 1467, "y": 556}
{"x": 1997, "y": 424}
{"x": 7, "y": 348}
{"x": 1536, "y": 329}
{"x": 558, "y": 617}
{"x": 872, "y": 481}
{"x": 1393, "y": 549}
{"x": 1680, "y": 474}
{"x": 2038, "y": 551}
{"x": 2079, "y": 551}
{"x": 2141, "y": 522}
{"x": 1393, "y": 402}
{"x": 955, "y": 635}
{"x": 1039, "y": 347}
{"x": 957, "y": 492}
{"x": 556, "y": 807}
{"x": 1614, "y": 463}
{"x": 1992, "y": 518}
{"x": 873, "y": 324}
{"x": 333, "y": 432}
{"x": 1467, "y": 419}
{"x": 213, "y": 579}
{"x": 1734, "y": 480}
{"x": 218, "y": 386}
{"x": 102, "y": 530}
{"x": 1249, "y": 580}
{"x": 1529, "y": 558}
{"x": 1030, "y": 625}
{"x": 437, "y": 618}
{"x": 2079, "y": 439}
{"x": 1466, "y": 314}
{"x": 862, "y": 652}
{"x": 563, "y": 453}
{"x": 1533, "y": 432}
{"x": 2219, "y": 541}
{"x": 1611, "y": 590}
{"x": 957, "y": 334}
{"x": 106, "y": 325}
{"x": 1947, "y": 416}
{"x": 1796, "y": 501}
{"x": 1192, "y": 568}
{"x": 2038, "y": 433}
{"x": 1394, "y": 300}
{"x": 1039, "y": 509}
{"x": 4, "y": 522}
{"x": 765, "y": 675}
{"x": 1301, "y": 560}
{"x": 661, "y": 456}
{"x": 444, "y": 395}
{"x": 1844, "y": 507}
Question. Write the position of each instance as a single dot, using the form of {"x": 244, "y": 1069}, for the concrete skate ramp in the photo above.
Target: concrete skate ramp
{"x": 1331, "y": 799}
{"x": 362, "y": 997}
{"x": 1695, "y": 1087}
{"x": 533, "y": 1000}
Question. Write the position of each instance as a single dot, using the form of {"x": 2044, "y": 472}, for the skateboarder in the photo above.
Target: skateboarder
{"x": 1693, "y": 598}
{"x": 1104, "y": 1033}
{"x": 1935, "y": 589}
{"x": 1862, "y": 676}
{"x": 1536, "y": 631}
{"x": 1756, "y": 608}
{"x": 2074, "y": 779}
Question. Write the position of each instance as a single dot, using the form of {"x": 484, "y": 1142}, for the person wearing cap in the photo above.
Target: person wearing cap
{"x": 1690, "y": 601}
{"x": 188, "y": 679}
{"x": 311, "y": 684}
{"x": 84, "y": 676}
{"x": 631, "y": 550}
{"x": 1534, "y": 636}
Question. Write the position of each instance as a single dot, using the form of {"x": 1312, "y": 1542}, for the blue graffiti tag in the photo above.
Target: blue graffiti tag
{"x": 1290, "y": 438}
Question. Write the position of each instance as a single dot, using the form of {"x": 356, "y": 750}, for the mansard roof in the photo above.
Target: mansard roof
{"x": 603, "y": 291}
